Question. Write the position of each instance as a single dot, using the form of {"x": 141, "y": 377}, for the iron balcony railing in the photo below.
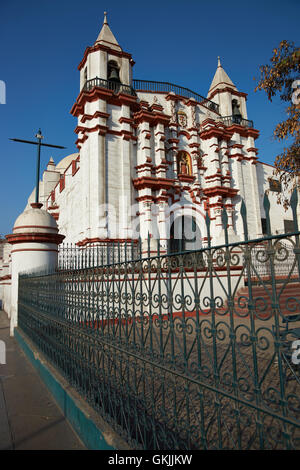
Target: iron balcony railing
{"x": 229, "y": 120}
{"x": 146, "y": 85}
{"x": 109, "y": 85}
{"x": 166, "y": 87}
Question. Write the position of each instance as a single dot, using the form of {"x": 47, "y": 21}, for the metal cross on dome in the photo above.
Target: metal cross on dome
{"x": 39, "y": 144}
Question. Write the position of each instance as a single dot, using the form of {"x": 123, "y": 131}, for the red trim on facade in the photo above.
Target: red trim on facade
{"x": 150, "y": 182}
{"x": 101, "y": 47}
{"x": 219, "y": 133}
{"x": 194, "y": 145}
{"x": 62, "y": 183}
{"x": 35, "y": 238}
{"x": 75, "y": 168}
{"x": 146, "y": 198}
{"x": 36, "y": 205}
{"x": 103, "y": 130}
{"x": 185, "y": 133}
{"x": 156, "y": 107}
{"x": 238, "y": 146}
{"x": 153, "y": 118}
{"x": 97, "y": 114}
{"x": 220, "y": 191}
{"x": 186, "y": 178}
{"x": 126, "y": 120}
{"x": 191, "y": 102}
{"x": 97, "y": 93}
{"x": 36, "y": 226}
{"x": 226, "y": 90}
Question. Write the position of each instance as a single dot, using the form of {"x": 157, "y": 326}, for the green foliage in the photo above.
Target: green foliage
{"x": 279, "y": 78}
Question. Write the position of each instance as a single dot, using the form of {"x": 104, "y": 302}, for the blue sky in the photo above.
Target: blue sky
{"x": 43, "y": 41}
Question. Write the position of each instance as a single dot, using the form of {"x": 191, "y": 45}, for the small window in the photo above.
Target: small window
{"x": 85, "y": 74}
{"x": 289, "y": 226}
{"x": 264, "y": 226}
{"x": 275, "y": 185}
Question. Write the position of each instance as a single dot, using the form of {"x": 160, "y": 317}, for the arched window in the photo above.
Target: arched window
{"x": 184, "y": 163}
{"x": 113, "y": 74}
{"x": 236, "y": 113}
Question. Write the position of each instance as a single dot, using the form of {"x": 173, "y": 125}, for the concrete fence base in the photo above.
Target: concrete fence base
{"x": 94, "y": 432}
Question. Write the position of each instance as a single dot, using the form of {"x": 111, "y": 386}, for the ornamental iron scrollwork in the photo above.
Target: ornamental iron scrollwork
{"x": 187, "y": 350}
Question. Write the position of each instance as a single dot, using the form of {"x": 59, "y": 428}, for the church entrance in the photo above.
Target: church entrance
{"x": 184, "y": 234}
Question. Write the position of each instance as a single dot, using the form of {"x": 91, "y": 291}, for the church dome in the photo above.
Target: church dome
{"x": 65, "y": 162}
{"x": 35, "y": 220}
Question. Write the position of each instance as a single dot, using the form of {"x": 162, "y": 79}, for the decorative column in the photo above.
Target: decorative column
{"x": 173, "y": 140}
{"x": 125, "y": 194}
{"x": 34, "y": 241}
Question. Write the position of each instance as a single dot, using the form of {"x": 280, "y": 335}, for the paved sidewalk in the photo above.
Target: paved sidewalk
{"x": 29, "y": 416}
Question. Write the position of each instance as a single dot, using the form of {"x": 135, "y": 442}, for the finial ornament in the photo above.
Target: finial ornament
{"x": 105, "y": 18}
{"x": 219, "y": 61}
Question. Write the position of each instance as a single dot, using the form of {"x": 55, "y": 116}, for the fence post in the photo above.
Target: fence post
{"x": 34, "y": 241}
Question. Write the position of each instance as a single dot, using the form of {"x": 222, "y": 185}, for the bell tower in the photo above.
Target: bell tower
{"x": 106, "y": 59}
{"x": 237, "y": 154}
{"x": 224, "y": 92}
{"x": 105, "y": 136}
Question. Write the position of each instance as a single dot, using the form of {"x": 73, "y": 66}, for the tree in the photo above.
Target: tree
{"x": 282, "y": 77}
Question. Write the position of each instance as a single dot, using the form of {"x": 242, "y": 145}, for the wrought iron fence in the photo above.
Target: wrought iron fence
{"x": 173, "y": 349}
{"x": 70, "y": 256}
{"x": 284, "y": 263}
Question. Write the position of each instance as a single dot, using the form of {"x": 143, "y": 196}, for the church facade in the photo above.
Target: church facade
{"x": 154, "y": 158}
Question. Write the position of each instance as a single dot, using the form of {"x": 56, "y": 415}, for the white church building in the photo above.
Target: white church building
{"x": 153, "y": 158}
{"x": 150, "y": 153}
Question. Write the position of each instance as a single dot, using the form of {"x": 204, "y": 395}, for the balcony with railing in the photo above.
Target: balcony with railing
{"x": 164, "y": 87}
{"x": 116, "y": 87}
{"x": 230, "y": 120}
{"x": 149, "y": 86}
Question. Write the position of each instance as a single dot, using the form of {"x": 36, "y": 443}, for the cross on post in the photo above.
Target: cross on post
{"x": 39, "y": 145}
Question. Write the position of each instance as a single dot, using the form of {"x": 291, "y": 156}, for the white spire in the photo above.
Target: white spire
{"x": 221, "y": 79}
{"x": 106, "y": 37}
